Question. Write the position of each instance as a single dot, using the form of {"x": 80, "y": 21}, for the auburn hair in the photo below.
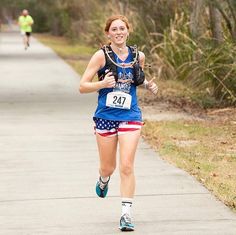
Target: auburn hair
{"x": 116, "y": 17}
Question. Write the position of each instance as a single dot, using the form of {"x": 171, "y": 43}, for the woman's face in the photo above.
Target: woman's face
{"x": 118, "y": 32}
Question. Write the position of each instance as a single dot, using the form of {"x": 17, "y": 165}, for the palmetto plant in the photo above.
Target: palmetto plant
{"x": 202, "y": 64}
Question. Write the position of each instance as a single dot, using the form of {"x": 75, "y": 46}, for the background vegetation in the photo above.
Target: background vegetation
{"x": 191, "y": 41}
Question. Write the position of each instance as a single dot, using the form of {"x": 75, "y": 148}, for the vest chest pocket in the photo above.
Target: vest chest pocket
{"x": 119, "y": 100}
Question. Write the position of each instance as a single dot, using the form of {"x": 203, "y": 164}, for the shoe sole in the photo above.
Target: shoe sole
{"x": 126, "y": 229}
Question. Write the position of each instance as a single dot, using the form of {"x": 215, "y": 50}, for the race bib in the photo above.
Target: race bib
{"x": 119, "y": 100}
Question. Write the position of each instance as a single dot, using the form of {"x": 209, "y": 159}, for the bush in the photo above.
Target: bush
{"x": 202, "y": 64}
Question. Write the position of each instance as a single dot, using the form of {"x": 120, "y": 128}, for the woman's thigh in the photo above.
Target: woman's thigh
{"x": 107, "y": 147}
{"x": 128, "y": 144}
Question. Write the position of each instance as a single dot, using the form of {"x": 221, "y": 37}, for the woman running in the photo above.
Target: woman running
{"x": 118, "y": 119}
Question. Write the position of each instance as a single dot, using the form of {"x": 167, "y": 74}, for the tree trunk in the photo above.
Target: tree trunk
{"x": 232, "y": 7}
{"x": 196, "y": 18}
{"x": 215, "y": 21}
{"x": 55, "y": 27}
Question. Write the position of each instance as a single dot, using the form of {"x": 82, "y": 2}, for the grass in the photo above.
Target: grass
{"x": 204, "y": 149}
{"x": 76, "y": 54}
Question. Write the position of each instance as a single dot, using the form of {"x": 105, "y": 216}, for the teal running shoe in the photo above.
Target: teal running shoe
{"x": 126, "y": 224}
{"x": 102, "y": 188}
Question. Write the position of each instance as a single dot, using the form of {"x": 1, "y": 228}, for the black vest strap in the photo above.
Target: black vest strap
{"x": 111, "y": 67}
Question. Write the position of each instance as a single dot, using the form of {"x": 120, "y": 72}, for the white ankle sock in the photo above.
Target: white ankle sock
{"x": 105, "y": 179}
{"x": 126, "y": 206}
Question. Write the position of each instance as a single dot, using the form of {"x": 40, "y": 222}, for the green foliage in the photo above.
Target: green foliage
{"x": 161, "y": 30}
{"x": 40, "y": 16}
{"x": 213, "y": 70}
{"x": 201, "y": 64}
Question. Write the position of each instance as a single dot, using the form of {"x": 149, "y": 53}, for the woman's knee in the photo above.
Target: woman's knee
{"x": 126, "y": 169}
{"x": 107, "y": 171}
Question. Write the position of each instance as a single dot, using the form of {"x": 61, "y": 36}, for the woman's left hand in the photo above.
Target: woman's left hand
{"x": 152, "y": 86}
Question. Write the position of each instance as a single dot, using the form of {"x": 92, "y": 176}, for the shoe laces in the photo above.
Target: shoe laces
{"x": 126, "y": 218}
{"x": 101, "y": 184}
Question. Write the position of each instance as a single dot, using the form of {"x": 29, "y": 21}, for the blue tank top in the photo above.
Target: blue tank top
{"x": 125, "y": 76}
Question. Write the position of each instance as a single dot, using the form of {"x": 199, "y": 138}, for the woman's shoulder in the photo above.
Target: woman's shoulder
{"x": 141, "y": 55}
{"x": 99, "y": 58}
{"x": 134, "y": 50}
{"x": 99, "y": 53}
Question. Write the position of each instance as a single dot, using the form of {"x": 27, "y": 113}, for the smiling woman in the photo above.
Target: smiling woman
{"x": 117, "y": 30}
{"x": 118, "y": 118}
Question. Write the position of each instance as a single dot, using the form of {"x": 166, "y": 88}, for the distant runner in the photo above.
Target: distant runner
{"x": 25, "y": 22}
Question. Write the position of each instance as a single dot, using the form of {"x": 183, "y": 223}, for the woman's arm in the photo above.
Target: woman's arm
{"x": 97, "y": 62}
{"x": 150, "y": 85}
{"x": 141, "y": 59}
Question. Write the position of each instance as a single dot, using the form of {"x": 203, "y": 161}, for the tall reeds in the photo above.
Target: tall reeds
{"x": 208, "y": 67}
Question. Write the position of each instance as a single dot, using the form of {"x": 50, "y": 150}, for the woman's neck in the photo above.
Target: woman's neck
{"x": 119, "y": 49}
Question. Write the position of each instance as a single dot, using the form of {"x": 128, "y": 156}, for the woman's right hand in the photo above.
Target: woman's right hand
{"x": 109, "y": 81}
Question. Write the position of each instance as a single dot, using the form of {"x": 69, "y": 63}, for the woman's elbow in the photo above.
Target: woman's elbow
{"x": 81, "y": 89}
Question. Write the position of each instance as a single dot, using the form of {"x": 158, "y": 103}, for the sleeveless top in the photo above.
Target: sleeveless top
{"x": 125, "y": 76}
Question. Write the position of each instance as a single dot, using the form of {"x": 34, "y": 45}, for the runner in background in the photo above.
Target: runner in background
{"x": 25, "y": 22}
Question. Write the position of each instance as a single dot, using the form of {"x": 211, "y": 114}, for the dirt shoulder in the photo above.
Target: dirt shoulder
{"x": 161, "y": 108}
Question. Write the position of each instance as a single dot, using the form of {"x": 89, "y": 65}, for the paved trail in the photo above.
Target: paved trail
{"x": 49, "y": 160}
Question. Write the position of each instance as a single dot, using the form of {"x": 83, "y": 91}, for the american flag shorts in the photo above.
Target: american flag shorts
{"x": 108, "y": 128}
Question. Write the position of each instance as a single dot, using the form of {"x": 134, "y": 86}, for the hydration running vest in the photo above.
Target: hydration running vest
{"x": 138, "y": 73}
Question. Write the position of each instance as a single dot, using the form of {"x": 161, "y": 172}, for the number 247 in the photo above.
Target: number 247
{"x": 119, "y": 100}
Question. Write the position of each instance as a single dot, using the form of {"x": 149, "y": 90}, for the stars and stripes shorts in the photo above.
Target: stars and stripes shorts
{"x": 108, "y": 128}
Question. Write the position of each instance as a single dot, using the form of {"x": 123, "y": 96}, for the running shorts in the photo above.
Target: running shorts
{"x": 108, "y": 128}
